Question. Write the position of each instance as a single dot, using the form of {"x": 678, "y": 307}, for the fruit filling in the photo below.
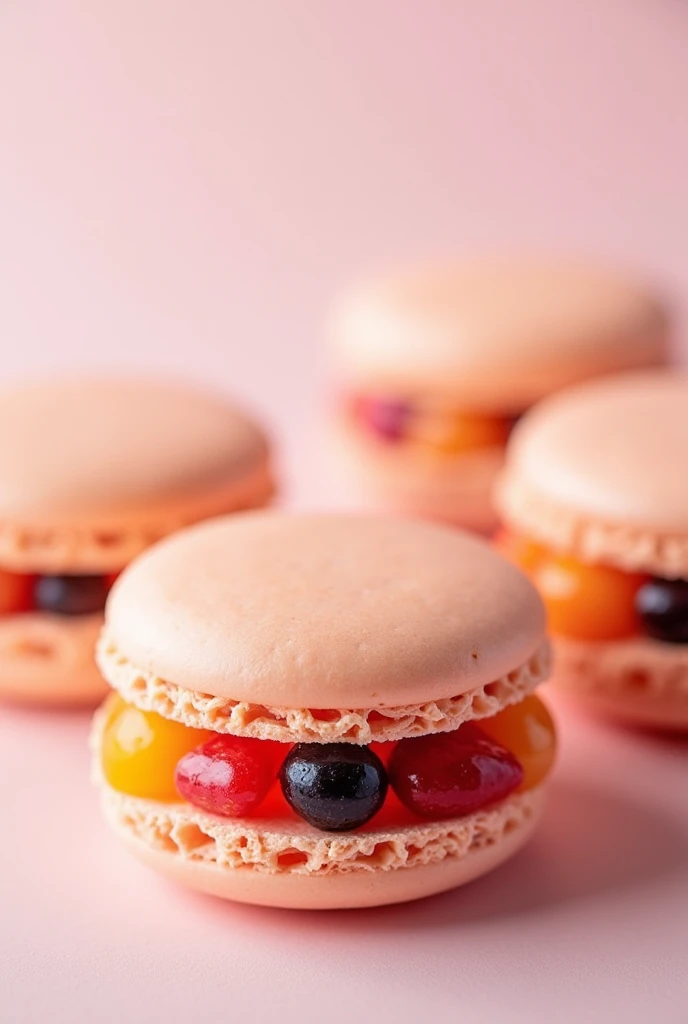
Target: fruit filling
{"x": 598, "y": 602}
{"x": 442, "y": 430}
{"x": 57, "y": 594}
{"x": 335, "y": 787}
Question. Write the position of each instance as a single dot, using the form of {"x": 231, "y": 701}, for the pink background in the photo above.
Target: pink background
{"x": 186, "y": 186}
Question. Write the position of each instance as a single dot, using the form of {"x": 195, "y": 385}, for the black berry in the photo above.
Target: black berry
{"x": 663, "y": 609}
{"x": 70, "y": 595}
{"x": 336, "y": 787}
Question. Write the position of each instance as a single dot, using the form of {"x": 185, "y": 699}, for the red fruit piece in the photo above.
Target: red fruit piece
{"x": 386, "y": 417}
{"x": 228, "y": 775}
{"x": 16, "y": 592}
{"x": 452, "y": 774}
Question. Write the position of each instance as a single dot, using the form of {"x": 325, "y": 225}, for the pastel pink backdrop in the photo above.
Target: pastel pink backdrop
{"x": 185, "y": 186}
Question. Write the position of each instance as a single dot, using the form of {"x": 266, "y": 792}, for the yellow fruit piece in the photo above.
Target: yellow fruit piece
{"x": 140, "y": 750}
{"x": 527, "y": 731}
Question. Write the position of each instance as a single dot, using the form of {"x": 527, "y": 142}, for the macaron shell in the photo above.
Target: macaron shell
{"x": 308, "y": 725}
{"x": 48, "y": 660}
{"x": 454, "y": 489}
{"x": 112, "y": 541}
{"x": 177, "y": 848}
{"x": 496, "y": 335}
{"x": 101, "y": 450}
{"x": 599, "y": 471}
{"x": 324, "y": 611}
{"x": 640, "y": 681}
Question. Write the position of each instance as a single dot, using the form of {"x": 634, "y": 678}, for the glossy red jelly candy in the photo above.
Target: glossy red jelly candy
{"x": 16, "y": 593}
{"x": 228, "y": 775}
{"x": 452, "y": 774}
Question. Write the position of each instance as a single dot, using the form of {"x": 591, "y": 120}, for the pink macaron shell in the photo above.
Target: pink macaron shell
{"x": 48, "y": 659}
{"x": 495, "y": 335}
{"x": 324, "y": 611}
{"x": 334, "y": 890}
{"x": 612, "y": 451}
{"x": 639, "y": 681}
{"x": 93, "y": 463}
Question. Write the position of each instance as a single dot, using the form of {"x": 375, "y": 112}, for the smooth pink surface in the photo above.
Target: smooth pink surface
{"x": 188, "y": 185}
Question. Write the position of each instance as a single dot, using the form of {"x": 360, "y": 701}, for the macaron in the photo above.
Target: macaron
{"x": 322, "y": 711}
{"x": 434, "y": 366}
{"x": 92, "y": 471}
{"x": 595, "y": 501}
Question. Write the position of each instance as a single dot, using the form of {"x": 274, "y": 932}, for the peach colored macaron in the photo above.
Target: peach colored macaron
{"x": 92, "y": 471}
{"x": 434, "y": 367}
{"x": 323, "y": 711}
{"x": 595, "y": 498}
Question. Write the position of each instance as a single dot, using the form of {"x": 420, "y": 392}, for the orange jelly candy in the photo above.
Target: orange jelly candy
{"x": 584, "y": 602}
{"x": 587, "y": 602}
{"x": 528, "y": 732}
{"x": 140, "y": 750}
{"x": 454, "y": 434}
{"x": 16, "y": 592}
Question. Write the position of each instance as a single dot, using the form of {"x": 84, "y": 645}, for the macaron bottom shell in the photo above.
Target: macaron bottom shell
{"x": 47, "y": 660}
{"x": 177, "y": 848}
{"x": 639, "y": 682}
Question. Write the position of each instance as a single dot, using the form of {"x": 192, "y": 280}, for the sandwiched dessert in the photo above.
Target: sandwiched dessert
{"x": 92, "y": 471}
{"x": 595, "y": 502}
{"x": 323, "y": 711}
{"x": 434, "y": 368}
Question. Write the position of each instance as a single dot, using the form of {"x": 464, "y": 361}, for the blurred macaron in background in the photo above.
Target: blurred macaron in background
{"x": 435, "y": 366}
{"x": 92, "y": 471}
{"x": 595, "y": 502}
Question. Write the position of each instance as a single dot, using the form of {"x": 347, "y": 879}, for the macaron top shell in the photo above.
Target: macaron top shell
{"x": 104, "y": 452}
{"x": 496, "y": 336}
{"x": 599, "y": 472}
{"x": 324, "y": 611}
{"x": 616, "y": 450}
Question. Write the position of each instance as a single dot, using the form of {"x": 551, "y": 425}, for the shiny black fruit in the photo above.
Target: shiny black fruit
{"x": 336, "y": 787}
{"x": 663, "y": 609}
{"x": 70, "y": 595}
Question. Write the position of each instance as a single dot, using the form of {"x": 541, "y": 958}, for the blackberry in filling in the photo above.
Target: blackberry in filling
{"x": 334, "y": 786}
{"x": 70, "y": 595}
{"x": 662, "y": 606}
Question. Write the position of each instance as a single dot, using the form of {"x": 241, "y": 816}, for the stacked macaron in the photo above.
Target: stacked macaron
{"x": 435, "y": 367}
{"x": 92, "y": 471}
{"x": 595, "y": 498}
{"x": 323, "y": 711}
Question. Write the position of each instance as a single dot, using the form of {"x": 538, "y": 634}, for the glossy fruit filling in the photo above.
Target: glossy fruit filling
{"x": 58, "y": 594}
{"x": 442, "y": 430}
{"x": 598, "y": 602}
{"x": 336, "y": 787}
